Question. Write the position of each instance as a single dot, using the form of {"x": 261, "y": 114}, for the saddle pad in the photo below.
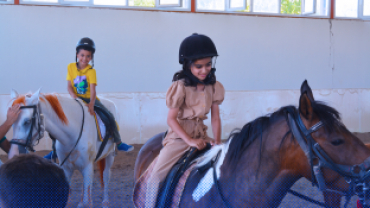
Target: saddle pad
{"x": 140, "y": 187}
{"x": 100, "y": 127}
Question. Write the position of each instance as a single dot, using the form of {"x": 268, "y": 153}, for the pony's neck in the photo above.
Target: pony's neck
{"x": 61, "y": 131}
{"x": 260, "y": 175}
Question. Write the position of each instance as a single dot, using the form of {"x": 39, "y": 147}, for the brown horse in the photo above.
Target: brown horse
{"x": 259, "y": 163}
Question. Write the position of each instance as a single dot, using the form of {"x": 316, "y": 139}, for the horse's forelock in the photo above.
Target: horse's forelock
{"x": 57, "y": 107}
{"x": 329, "y": 116}
{"x": 20, "y": 100}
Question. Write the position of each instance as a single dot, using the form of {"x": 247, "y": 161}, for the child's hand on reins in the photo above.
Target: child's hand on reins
{"x": 197, "y": 143}
{"x": 91, "y": 108}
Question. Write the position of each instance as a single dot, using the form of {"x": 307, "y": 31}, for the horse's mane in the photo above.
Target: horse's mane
{"x": 55, "y": 104}
{"x": 52, "y": 99}
{"x": 241, "y": 139}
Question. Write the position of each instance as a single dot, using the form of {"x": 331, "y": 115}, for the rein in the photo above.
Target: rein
{"x": 79, "y": 137}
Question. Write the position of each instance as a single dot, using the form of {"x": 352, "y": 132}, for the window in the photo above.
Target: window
{"x": 168, "y": 3}
{"x": 6, "y": 2}
{"x": 364, "y": 9}
{"x": 158, "y": 4}
{"x": 212, "y": 5}
{"x": 346, "y": 8}
{"x": 352, "y": 9}
{"x": 236, "y": 5}
{"x": 110, "y": 2}
{"x": 308, "y": 7}
{"x": 278, "y": 7}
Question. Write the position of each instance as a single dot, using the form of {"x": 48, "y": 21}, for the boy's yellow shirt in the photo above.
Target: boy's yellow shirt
{"x": 81, "y": 79}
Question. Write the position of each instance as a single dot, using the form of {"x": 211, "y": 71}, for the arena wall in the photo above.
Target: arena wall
{"x": 262, "y": 62}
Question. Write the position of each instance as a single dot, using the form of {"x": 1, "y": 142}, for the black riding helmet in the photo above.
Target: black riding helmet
{"x": 197, "y": 46}
{"x": 86, "y": 44}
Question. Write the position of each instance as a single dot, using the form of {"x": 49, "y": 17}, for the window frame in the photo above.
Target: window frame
{"x": 253, "y": 13}
{"x": 76, "y": 3}
{"x": 303, "y": 13}
{"x": 185, "y": 5}
{"x": 191, "y": 6}
{"x": 277, "y": 13}
{"x": 360, "y": 11}
{"x": 228, "y": 6}
{"x": 157, "y": 4}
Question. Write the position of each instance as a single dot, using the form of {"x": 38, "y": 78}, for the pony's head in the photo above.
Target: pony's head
{"x": 309, "y": 141}
{"x": 335, "y": 158}
{"x": 29, "y": 127}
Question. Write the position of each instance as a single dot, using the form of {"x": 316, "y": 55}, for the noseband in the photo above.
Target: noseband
{"x": 355, "y": 175}
{"x": 40, "y": 128}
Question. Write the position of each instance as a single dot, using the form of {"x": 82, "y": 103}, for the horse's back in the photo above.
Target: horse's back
{"x": 147, "y": 153}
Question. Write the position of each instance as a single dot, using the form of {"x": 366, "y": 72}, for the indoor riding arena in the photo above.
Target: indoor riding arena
{"x": 266, "y": 50}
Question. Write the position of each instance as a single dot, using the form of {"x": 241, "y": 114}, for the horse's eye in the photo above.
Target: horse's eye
{"x": 337, "y": 142}
{"x": 27, "y": 122}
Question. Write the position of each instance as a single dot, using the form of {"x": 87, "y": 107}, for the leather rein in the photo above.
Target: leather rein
{"x": 40, "y": 129}
{"x": 356, "y": 175}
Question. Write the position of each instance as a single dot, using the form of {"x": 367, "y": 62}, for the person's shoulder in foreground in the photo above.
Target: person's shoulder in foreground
{"x": 32, "y": 181}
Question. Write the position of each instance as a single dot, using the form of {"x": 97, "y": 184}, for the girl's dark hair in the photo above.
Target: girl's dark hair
{"x": 87, "y": 48}
{"x": 189, "y": 78}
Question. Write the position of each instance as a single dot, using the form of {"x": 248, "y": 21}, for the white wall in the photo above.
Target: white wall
{"x": 137, "y": 55}
{"x": 142, "y": 115}
{"x": 137, "y": 51}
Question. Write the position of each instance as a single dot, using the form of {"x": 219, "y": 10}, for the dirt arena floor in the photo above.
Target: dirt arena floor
{"x": 121, "y": 187}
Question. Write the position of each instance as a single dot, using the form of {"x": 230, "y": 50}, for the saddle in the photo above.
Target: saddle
{"x": 168, "y": 187}
{"x": 108, "y": 128}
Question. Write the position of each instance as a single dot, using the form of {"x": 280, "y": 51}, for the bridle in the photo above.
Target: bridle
{"x": 40, "y": 129}
{"x": 356, "y": 175}
{"x": 37, "y": 122}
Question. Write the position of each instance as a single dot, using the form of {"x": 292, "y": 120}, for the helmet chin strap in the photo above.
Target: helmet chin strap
{"x": 194, "y": 79}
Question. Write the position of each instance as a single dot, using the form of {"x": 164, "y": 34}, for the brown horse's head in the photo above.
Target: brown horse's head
{"x": 291, "y": 143}
{"x": 346, "y": 155}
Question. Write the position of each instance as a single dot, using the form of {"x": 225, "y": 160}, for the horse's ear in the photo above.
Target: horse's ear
{"x": 305, "y": 88}
{"x": 305, "y": 107}
{"x": 14, "y": 94}
{"x": 34, "y": 99}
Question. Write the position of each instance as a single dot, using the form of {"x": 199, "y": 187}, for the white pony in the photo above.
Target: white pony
{"x": 66, "y": 120}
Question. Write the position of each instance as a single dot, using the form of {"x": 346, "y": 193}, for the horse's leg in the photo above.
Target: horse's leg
{"x": 106, "y": 176}
{"x": 147, "y": 154}
{"x": 88, "y": 175}
{"x": 68, "y": 174}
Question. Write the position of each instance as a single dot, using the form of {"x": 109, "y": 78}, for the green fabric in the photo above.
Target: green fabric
{"x": 1, "y": 141}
